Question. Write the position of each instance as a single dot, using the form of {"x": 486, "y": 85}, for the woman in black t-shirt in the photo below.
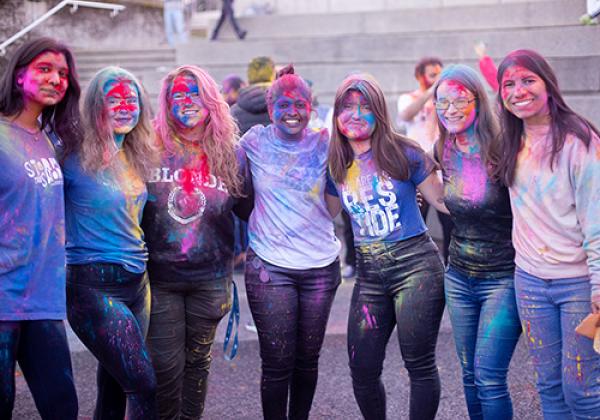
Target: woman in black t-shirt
{"x": 479, "y": 281}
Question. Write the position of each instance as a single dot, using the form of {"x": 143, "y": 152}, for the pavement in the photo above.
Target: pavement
{"x": 234, "y": 386}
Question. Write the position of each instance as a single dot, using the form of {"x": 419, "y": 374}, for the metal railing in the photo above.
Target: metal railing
{"x": 75, "y": 4}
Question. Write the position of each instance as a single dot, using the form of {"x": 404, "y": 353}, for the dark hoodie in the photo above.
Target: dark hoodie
{"x": 251, "y": 107}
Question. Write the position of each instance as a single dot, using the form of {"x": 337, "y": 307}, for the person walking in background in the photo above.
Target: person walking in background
{"x": 108, "y": 296}
{"x": 416, "y": 116}
{"x": 39, "y": 92}
{"x": 174, "y": 18}
{"x": 400, "y": 275}
{"x": 251, "y": 107}
{"x": 551, "y": 164}
{"x": 231, "y": 86}
{"x": 292, "y": 264}
{"x": 227, "y": 13}
{"x": 479, "y": 281}
{"x": 188, "y": 226}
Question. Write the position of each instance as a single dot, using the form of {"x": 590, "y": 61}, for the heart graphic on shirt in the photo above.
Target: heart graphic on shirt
{"x": 185, "y": 207}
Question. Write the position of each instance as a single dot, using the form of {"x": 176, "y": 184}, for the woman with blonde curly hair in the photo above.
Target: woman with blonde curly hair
{"x": 108, "y": 297}
{"x": 188, "y": 226}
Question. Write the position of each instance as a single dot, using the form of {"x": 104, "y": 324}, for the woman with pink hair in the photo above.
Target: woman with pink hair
{"x": 188, "y": 226}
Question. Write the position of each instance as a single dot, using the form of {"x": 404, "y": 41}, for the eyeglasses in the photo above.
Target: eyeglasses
{"x": 460, "y": 103}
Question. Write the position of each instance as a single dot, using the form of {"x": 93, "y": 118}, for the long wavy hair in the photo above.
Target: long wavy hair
{"x": 63, "y": 118}
{"x": 219, "y": 139}
{"x": 486, "y": 123}
{"x": 387, "y": 145}
{"x": 98, "y": 148}
{"x": 563, "y": 120}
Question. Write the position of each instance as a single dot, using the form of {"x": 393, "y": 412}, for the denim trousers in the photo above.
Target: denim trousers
{"x": 183, "y": 323}
{"x": 108, "y": 308}
{"x": 399, "y": 284}
{"x": 290, "y": 309}
{"x": 42, "y": 350}
{"x": 567, "y": 368}
{"x": 486, "y": 327}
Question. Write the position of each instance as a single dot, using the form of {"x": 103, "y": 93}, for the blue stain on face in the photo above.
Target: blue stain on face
{"x": 290, "y": 115}
{"x": 187, "y": 107}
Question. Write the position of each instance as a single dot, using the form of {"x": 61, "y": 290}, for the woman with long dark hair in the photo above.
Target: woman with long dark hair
{"x": 39, "y": 93}
{"x": 292, "y": 265}
{"x": 479, "y": 281}
{"x": 188, "y": 226}
{"x": 108, "y": 297}
{"x": 551, "y": 164}
{"x": 400, "y": 276}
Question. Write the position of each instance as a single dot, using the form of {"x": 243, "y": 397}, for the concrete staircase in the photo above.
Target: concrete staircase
{"x": 149, "y": 65}
{"x": 326, "y": 47}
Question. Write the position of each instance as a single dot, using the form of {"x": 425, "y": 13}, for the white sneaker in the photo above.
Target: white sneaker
{"x": 251, "y": 327}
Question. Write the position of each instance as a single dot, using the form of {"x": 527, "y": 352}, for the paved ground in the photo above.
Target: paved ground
{"x": 234, "y": 386}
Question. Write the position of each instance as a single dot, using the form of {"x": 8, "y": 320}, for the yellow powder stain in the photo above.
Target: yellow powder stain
{"x": 540, "y": 342}
{"x": 110, "y": 302}
{"x": 352, "y": 176}
{"x": 579, "y": 372}
{"x": 543, "y": 250}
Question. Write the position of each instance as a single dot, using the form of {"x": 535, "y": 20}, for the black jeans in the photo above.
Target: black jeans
{"x": 42, "y": 350}
{"x": 290, "y": 309}
{"x": 398, "y": 284}
{"x": 108, "y": 308}
{"x": 183, "y": 323}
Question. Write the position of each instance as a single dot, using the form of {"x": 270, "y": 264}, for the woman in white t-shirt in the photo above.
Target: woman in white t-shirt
{"x": 292, "y": 265}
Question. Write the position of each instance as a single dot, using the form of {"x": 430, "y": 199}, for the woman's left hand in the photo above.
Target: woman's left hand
{"x": 433, "y": 191}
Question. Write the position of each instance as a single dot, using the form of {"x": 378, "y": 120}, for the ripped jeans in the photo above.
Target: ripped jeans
{"x": 290, "y": 309}
{"x": 398, "y": 284}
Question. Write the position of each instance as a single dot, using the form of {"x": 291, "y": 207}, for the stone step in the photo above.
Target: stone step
{"x": 424, "y": 20}
{"x": 552, "y": 41}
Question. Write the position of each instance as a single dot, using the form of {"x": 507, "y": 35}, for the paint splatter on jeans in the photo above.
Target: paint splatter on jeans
{"x": 290, "y": 309}
{"x": 398, "y": 284}
{"x": 567, "y": 368}
{"x": 486, "y": 328}
{"x": 42, "y": 350}
{"x": 184, "y": 320}
{"x": 108, "y": 308}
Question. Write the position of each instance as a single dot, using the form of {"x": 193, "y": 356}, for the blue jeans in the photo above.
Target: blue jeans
{"x": 566, "y": 366}
{"x": 42, "y": 350}
{"x": 486, "y": 328}
{"x": 290, "y": 309}
{"x": 109, "y": 309}
{"x": 399, "y": 284}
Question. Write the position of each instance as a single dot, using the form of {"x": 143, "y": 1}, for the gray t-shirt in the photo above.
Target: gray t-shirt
{"x": 290, "y": 226}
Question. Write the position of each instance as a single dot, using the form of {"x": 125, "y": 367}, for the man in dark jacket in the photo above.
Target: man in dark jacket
{"x": 251, "y": 106}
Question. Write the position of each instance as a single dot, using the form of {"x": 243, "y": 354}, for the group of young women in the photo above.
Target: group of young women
{"x": 140, "y": 211}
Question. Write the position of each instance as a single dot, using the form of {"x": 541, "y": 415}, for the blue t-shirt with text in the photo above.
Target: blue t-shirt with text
{"x": 383, "y": 209}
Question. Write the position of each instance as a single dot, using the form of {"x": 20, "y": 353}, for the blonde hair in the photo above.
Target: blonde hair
{"x": 98, "y": 146}
{"x": 219, "y": 138}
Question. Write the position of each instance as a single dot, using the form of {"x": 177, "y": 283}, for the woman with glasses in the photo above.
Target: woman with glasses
{"x": 479, "y": 281}
{"x": 400, "y": 275}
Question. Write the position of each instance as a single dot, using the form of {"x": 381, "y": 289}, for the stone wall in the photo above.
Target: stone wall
{"x": 140, "y": 25}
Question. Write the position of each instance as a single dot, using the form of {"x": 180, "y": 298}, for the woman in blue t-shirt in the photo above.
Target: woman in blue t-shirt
{"x": 292, "y": 265}
{"x": 108, "y": 297}
{"x": 479, "y": 282}
{"x": 376, "y": 173}
{"x": 38, "y": 85}
{"x": 188, "y": 225}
